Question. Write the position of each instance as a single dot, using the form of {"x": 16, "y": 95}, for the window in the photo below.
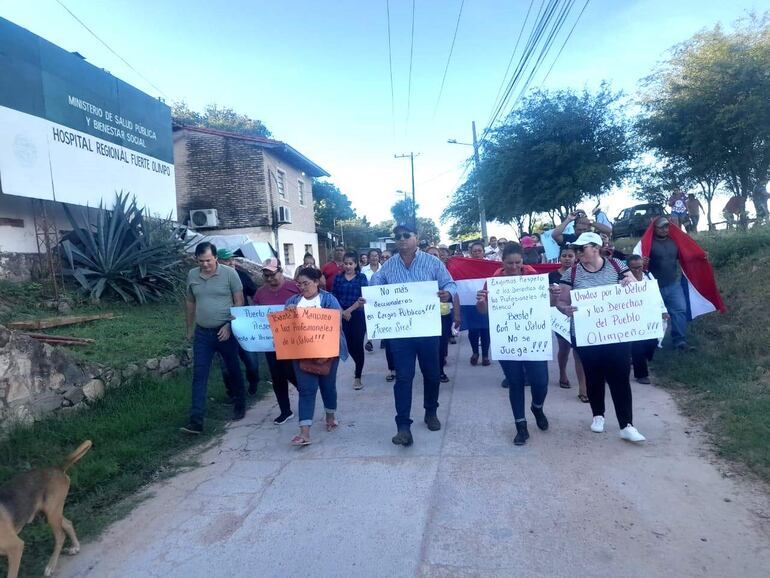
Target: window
{"x": 281, "y": 178}
{"x": 308, "y": 249}
{"x": 301, "y": 192}
{"x": 288, "y": 253}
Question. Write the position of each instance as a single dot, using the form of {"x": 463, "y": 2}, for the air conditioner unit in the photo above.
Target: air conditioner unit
{"x": 284, "y": 216}
{"x": 204, "y": 218}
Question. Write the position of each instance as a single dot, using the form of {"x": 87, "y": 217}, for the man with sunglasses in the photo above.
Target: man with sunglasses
{"x": 410, "y": 265}
{"x": 276, "y": 291}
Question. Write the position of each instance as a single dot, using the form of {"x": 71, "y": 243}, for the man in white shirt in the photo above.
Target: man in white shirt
{"x": 492, "y": 251}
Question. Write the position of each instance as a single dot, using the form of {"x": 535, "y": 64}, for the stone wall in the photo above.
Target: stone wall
{"x": 37, "y": 379}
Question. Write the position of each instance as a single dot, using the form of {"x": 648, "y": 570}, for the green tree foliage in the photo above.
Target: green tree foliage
{"x": 219, "y": 118}
{"x": 403, "y": 211}
{"x": 551, "y": 153}
{"x": 427, "y": 231}
{"x": 330, "y": 205}
{"x": 707, "y": 108}
{"x": 356, "y": 232}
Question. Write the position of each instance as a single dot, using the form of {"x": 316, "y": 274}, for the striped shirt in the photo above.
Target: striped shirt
{"x": 424, "y": 267}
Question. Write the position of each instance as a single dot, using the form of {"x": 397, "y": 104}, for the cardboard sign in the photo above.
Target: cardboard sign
{"x": 616, "y": 314}
{"x": 306, "y": 333}
{"x": 520, "y": 318}
{"x": 252, "y": 328}
{"x": 402, "y": 310}
{"x": 560, "y": 324}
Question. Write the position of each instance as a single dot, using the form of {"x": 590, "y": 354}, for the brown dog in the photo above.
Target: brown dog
{"x": 30, "y": 493}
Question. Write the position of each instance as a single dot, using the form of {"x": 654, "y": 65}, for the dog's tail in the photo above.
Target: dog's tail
{"x": 76, "y": 455}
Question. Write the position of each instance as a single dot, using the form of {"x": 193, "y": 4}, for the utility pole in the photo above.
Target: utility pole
{"x": 410, "y": 156}
{"x": 482, "y": 210}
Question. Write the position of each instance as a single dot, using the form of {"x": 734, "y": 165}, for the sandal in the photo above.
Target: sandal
{"x": 583, "y": 398}
{"x": 485, "y": 361}
{"x": 565, "y": 384}
{"x": 299, "y": 441}
{"x": 332, "y": 425}
{"x": 390, "y": 377}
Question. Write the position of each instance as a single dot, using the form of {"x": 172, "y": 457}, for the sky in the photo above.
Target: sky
{"x": 317, "y": 74}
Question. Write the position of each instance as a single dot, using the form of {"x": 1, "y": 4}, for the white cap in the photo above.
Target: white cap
{"x": 586, "y": 238}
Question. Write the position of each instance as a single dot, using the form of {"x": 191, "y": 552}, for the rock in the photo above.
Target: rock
{"x": 130, "y": 371}
{"x": 74, "y": 395}
{"x": 22, "y": 415}
{"x": 94, "y": 389}
{"x": 46, "y": 403}
{"x": 152, "y": 364}
{"x": 168, "y": 363}
{"x": 64, "y": 308}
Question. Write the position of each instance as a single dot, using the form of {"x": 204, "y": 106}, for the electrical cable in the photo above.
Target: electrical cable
{"x": 390, "y": 65}
{"x": 565, "y": 42}
{"x": 411, "y": 60}
{"x": 449, "y": 58}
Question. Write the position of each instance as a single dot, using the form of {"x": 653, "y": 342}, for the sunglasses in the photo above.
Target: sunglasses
{"x": 400, "y": 236}
{"x": 269, "y": 274}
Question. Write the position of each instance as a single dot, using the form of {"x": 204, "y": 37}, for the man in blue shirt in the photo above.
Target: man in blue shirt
{"x": 411, "y": 265}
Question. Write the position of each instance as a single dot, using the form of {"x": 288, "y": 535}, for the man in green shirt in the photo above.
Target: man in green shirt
{"x": 212, "y": 288}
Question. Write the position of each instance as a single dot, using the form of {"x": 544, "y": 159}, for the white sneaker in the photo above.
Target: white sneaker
{"x": 597, "y": 425}
{"x": 631, "y": 434}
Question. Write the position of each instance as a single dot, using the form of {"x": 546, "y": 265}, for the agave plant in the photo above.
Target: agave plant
{"x": 120, "y": 250}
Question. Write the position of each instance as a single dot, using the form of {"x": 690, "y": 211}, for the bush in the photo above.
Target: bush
{"x": 123, "y": 252}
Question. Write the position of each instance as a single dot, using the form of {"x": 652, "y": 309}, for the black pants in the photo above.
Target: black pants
{"x": 446, "y": 332}
{"x": 474, "y": 335}
{"x": 389, "y": 355}
{"x": 641, "y": 353}
{"x": 354, "y": 331}
{"x": 281, "y": 372}
{"x": 610, "y": 364}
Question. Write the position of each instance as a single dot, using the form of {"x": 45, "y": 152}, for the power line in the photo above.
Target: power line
{"x": 108, "y": 47}
{"x": 449, "y": 58}
{"x": 411, "y": 59}
{"x": 390, "y": 65}
{"x": 547, "y": 74}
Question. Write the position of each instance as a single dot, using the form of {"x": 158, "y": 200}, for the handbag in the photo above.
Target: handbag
{"x": 317, "y": 365}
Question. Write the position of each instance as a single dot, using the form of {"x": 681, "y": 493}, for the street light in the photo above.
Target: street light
{"x": 482, "y": 210}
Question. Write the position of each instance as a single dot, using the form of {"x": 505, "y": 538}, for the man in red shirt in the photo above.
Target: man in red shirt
{"x": 332, "y": 268}
{"x": 276, "y": 291}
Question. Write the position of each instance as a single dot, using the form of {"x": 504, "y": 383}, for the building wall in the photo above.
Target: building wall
{"x": 226, "y": 174}
{"x": 303, "y": 217}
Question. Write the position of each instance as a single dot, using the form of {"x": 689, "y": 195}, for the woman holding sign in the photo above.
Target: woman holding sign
{"x": 478, "y": 325}
{"x": 608, "y": 362}
{"x": 311, "y": 295}
{"x": 517, "y": 373}
{"x": 347, "y": 289}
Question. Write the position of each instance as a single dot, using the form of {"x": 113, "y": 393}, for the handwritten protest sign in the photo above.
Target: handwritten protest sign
{"x": 520, "y": 318}
{"x": 560, "y": 323}
{"x": 306, "y": 333}
{"x": 615, "y": 314}
{"x": 251, "y": 327}
{"x": 402, "y": 310}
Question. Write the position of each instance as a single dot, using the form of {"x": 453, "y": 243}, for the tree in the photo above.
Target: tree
{"x": 549, "y": 155}
{"x": 223, "y": 118}
{"x": 330, "y": 205}
{"x": 427, "y": 231}
{"x": 708, "y": 107}
{"x": 403, "y": 211}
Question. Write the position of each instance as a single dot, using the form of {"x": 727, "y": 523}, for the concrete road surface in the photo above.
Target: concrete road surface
{"x": 463, "y": 501}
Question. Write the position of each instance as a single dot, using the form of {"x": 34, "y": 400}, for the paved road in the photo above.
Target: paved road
{"x": 460, "y": 502}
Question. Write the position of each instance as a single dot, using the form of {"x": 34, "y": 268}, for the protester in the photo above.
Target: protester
{"x": 607, "y": 363}
{"x": 333, "y": 267}
{"x": 250, "y": 359}
{"x": 276, "y": 291}
{"x": 478, "y": 323}
{"x": 609, "y": 250}
{"x": 408, "y": 266}
{"x": 581, "y": 225}
{"x": 694, "y": 208}
{"x": 211, "y": 290}
{"x": 448, "y": 333}
{"x": 643, "y": 351}
{"x": 517, "y": 373}
{"x": 677, "y": 202}
{"x": 531, "y": 252}
{"x": 347, "y": 290}
{"x": 386, "y": 254}
{"x": 492, "y": 251}
{"x": 363, "y": 260}
{"x": 663, "y": 263}
{"x": 735, "y": 207}
{"x": 308, "y": 261}
{"x": 373, "y": 259}
{"x": 601, "y": 217}
{"x": 567, "y": 259}
{"x": 311, "y": 295}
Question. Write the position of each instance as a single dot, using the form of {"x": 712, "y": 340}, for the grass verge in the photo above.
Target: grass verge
{"x": 725, "y": 383}
{"x": 136, "y": 437}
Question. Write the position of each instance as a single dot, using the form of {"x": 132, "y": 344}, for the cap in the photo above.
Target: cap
{"x": 271, "y": 264}
{"x": 527, "y": 242}
{"x": 224, "y": 254}
{"x": 662, "y": 222}
{"x": 586, "y": 238}
{"x": 403, "y": 227}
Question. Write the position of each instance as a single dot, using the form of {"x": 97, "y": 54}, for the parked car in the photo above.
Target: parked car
{"x": 633, "y": 221}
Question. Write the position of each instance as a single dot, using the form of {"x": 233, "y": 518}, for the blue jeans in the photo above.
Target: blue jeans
{"x": 425, "y": 350}
{"x": 250, "y": 360}
{"x": 676, "y": 305}
{"x": 205, "y": 345}
{"x": 519, "y": 372}
{"x": 308, "y": 384}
